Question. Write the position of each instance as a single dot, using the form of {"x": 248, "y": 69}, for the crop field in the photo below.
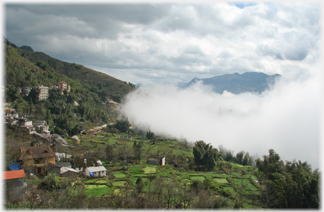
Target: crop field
{"x": 97, "y": 191}
{"x": 95, "y": 186}
{"x": 120, "y": 183}
{"x": 118, "y": 179}
{"x": 149, "y": 170}
{"x": 229, "y": 188}
{"x": 201, "y": 178}
{"x": 119, "y": 175}
{"x": 220, "y": 180}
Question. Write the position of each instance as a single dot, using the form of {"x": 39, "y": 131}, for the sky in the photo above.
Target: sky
{"x": 154, "y": 44}
{"x": 170, "y": 43}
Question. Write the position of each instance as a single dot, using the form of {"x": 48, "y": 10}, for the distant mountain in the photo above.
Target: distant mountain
{"x": 181, "y": 84}
{"x": 236, "y": 83}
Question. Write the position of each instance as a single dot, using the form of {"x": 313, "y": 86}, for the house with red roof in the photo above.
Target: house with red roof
{"x": 15, "y": 184}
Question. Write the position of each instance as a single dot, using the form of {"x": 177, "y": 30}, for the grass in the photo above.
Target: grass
{"x": 200, "y": 178}
{"x": 220, "y": 180}
{"x": 149, "y": 170}
{"x": 119, "y": 175}
{"x": 97, "y": 192}
{"x": 139, "y": 175}
{"x": 229, "y": 188}
{"x": 120, "y": 183}
{"x": 94, "y": 186}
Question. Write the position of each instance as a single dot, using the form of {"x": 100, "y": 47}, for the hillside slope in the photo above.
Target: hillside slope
{"x": 86, "y": 104}
{"x": 28, "y": 68}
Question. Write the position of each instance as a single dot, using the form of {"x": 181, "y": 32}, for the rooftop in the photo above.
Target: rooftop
{"x": 9, "y": 175}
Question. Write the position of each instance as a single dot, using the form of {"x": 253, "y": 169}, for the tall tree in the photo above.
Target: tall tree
{"x": 205, "y": 156}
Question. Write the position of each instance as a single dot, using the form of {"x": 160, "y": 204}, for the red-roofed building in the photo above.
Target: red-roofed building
{"x": 16, "y": 174}
{"x": 15, "y": 183}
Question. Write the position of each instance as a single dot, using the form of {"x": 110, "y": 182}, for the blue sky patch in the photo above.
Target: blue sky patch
{"x": 242, "y": 4}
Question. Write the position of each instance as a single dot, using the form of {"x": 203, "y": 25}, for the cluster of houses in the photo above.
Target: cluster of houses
{"x": 43, "y": 90}
{"x": 24, "y": 124}
{"x": 42, "y": 161}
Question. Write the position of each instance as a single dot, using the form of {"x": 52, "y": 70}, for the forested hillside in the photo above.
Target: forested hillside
{"x": 86, "y": 103}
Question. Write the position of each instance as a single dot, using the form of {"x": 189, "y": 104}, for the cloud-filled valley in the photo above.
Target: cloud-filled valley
{"x": 284, "y": 118}
{"x": 161, "y": 44}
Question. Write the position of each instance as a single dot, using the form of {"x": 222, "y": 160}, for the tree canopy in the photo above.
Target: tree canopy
{"x": 205, "y": 156}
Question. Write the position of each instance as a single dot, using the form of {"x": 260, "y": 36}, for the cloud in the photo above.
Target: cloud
{"x": 285, "y": 118}
{"x": 191, "y": 40}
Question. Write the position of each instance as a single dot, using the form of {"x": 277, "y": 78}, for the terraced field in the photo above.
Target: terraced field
{"x": 122, "y": 179}
{"x": 225, "y": 183}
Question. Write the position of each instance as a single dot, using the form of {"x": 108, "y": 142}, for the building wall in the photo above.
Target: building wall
{"x": 43, "y": 94}
{"x": 70, "y": 174}
{"x": 96, "y": 174}
{"x": 54, "y": 170}
{"x": 163, "y": 161}
{"x": 51, "y": 160}
{"x": 79, "y": 169}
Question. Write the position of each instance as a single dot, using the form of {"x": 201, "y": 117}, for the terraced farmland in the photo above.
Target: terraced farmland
{"x": 116, "y": 180}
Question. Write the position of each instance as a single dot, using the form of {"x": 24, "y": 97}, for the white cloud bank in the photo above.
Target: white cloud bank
{"x": 285, "y": 118}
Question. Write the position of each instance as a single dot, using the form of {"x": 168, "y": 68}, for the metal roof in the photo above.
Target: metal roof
{"x": 9, "y": 175}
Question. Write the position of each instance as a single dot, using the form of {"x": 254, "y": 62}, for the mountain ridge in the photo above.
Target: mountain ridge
{"x": 255, "y": 82}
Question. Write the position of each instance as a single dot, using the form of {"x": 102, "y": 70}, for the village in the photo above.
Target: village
{"x": 38, "y": 158}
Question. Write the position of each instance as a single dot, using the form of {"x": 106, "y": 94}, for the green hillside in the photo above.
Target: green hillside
{"x": 194, "y": 176}
{"x": 86, "y": 104}
{"x": 27, "y": 68}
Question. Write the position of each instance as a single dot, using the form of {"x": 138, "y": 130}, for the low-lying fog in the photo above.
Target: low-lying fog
{"x": 285, "y": 118}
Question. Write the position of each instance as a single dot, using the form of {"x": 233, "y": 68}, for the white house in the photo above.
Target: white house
{"x": 95, "y": 171}
{"x": 24, "y": 122}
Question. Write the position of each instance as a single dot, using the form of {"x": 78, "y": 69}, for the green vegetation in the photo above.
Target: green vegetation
{"x": 84, "y": 106}
{"x": 196, "y": 175}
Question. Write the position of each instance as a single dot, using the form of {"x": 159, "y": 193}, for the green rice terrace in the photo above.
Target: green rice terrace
{"x": 226, "y": 184}
{"x": 229, "y": 187}
{"x": 194, "y": 176}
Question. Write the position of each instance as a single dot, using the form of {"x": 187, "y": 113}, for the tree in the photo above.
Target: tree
{"x": 122, "y": 126}
{"x": 292, "y": 185}
{"x": 109, "y": 152}
{"x": 239, "y": 157}
{"x": 149, "y": 135}
{"x": 137, "y": 147}
{"x": 205, "y": 156}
